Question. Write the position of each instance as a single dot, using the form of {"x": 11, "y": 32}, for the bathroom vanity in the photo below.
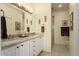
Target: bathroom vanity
{"x": 27, "y": 46}
{"x": 20, "y": 21}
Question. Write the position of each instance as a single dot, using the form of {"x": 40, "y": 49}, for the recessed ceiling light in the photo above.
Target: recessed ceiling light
{"x": 59, "y": 5}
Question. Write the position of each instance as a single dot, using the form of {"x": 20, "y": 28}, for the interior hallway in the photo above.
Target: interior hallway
{"x": 57, "y": 50}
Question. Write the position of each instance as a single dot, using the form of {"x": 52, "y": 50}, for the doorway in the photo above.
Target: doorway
{"x": 52, "y": 32}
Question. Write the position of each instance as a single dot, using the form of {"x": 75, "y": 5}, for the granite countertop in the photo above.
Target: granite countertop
{"x": 11, "y": 42}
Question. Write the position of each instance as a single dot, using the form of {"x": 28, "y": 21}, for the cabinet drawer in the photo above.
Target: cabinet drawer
{"x": 33, "y": 52}
{"x": 33, "y": 43}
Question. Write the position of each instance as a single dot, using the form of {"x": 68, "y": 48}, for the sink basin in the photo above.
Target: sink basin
{"x": 23, "y": 36}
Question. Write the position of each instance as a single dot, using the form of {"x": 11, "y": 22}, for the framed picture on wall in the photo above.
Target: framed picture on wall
{"x": 71, "y": 21}
{"x": 17, "y": 26}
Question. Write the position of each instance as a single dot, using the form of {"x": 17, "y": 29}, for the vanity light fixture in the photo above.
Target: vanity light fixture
{"x": 59, "y": 5}
{"x": 19, "y": 4}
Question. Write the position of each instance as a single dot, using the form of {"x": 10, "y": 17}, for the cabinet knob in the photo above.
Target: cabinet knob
{"x": 17, "y": 47}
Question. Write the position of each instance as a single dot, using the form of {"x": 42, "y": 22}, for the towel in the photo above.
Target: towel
{"x": 3, "y": 28}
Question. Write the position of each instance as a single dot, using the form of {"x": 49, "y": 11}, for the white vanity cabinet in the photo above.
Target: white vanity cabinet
{"x": 32, "y": 51}
{"x": 9, "y": 51}
{"x": 35, "y": 46}
{"x": 28, "y": 48}
{"x": 39, "y": 45}
{"x": 25, "y": 49}
{"x": 21, "y": 49}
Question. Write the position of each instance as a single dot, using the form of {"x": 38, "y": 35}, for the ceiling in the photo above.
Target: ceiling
{"x": 64, "y": 5}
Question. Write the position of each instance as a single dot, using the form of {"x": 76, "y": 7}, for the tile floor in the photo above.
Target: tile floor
{"x": 57, "y": 50}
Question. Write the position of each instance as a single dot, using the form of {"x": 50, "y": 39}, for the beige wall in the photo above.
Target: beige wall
{"x": 42, "y": 10}
{"x": 71, "y": 9}
{"x": 74, "y": 38}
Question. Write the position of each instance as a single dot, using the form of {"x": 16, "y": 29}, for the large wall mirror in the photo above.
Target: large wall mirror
{"x": 12, "y": 15}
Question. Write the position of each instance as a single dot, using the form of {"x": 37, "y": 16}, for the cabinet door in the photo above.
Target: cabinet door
{"x": 21, "y": 49}
{"x": 35, "y": 46}
{"x": 18, "y": 50}
{"x": 39, "y": 45}
{"x": 9, "y": 51}
{"x": 25, "y": 48}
